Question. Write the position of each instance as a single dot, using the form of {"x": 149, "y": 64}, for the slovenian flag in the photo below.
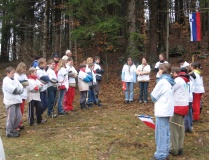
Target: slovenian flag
{"x": 147, "y": 120}
{"x": 195, "y": 26}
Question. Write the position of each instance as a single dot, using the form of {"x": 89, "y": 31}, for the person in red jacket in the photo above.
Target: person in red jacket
{"x": 181, "y": 108}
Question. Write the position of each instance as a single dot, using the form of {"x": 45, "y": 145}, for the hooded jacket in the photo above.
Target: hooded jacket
{"x": 181, "y": 94}
{"x": 162, "y": 95}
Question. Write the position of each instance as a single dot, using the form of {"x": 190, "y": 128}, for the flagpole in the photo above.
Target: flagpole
{"x": 139, "y": 115}
{"x": 176, "y": 124}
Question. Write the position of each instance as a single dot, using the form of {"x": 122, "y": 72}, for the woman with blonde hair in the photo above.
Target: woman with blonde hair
{"x": 22, "y": 78}
{"x": 62, "y": 77}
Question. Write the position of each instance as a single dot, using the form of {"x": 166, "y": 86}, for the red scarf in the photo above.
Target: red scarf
{"x": 32, "y": 77}
{"x": 82, "y": 69}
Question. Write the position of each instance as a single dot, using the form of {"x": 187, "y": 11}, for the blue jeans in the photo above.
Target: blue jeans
{"x": 44, "y": 101}
{"x": 162, "y": 138}
{"x": 91, "y": 96}
{"x": 51, "y": 98}
{"x": 129, "y": 93}
{"x": 60, "y": 100}
{"x": 188, "y": 119}
{"x": 143, "y": 86}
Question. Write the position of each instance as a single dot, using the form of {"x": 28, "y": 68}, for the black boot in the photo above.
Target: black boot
{"x": 97, "y": 99}
{"x": 82, "y": 105}
{"x": 89, "y": 105}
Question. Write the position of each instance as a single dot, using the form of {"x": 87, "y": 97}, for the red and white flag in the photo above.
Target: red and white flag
{"x": 147, "y": 120}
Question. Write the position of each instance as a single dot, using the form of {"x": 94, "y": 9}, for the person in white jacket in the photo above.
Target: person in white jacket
{"x": 12, "y": 89}
{"x": 181, "y": 108}
{"x": 22, "y": 78}
{"x": 162, "y": 96}
{"x": 98, "y": 72}
{"x": 63, "y": 85}
{"x": 143, "y": 72}
{"x": 161, "y": 61}
{"x": 43, "y": 77}
{"x": 52, "y": 88}
{"x": 70, "y": 93}
{"x": 33, "y": 99}
{"x": 129, "y": 77}
{"x": 198, "y": 90}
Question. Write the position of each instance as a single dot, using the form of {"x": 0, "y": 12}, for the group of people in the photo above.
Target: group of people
{"x": 45, "y": 84}
{"x": 176, "y": 97}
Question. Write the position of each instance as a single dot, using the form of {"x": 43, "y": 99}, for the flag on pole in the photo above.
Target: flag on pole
{"x": 195, "y": 26}
{"x": 147, "y": 120}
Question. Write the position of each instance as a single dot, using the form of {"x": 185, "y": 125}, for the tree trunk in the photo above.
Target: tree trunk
{"x": 45, "y": 29}
{"x": 5, "y": 37}
{"x": 57, "y": 25}
{"x": 161, "y": 24}
{"x": 153, "y": 29}
{"x": 131, "y": 49}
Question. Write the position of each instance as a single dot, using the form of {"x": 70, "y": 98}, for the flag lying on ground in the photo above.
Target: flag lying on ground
{"x": 147, "y": 120}
{"x": 195, "y": 26}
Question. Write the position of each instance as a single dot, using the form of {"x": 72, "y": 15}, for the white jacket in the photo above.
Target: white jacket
{"x": 8, "y": 88}
{"x": 62, "y": 77}
{"x": 198, "y": 83}
{"x": 93, "y": 76}
{"x": 163, "y": 92}
{"x": 82, "y": 85}
{"x": 97, "y": 66}
{"x": 21, "y": 78}
{"x": 40, "y": 73}
{"x": 51, "y": 73}
{"x": 181, "y": 95}
{"x": 73, "y": 72}
{"x": 142, "y": 68}
{"x": 129, "y": 73}
{"x": 31, "y": 95}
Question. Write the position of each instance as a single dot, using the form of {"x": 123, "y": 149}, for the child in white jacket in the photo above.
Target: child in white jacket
{"x": 34, "y": 99}
{"x": 69, "y": 95}
{"x": 162, "y": 95}
{"x": 12, "y": 89}
{"x": 22, "y": 78}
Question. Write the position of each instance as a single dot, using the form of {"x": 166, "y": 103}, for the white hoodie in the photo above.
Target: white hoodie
{"x": 8, "y": 87}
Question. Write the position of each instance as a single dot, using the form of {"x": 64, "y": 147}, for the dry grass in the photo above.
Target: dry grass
{"x": 108, "y": 133}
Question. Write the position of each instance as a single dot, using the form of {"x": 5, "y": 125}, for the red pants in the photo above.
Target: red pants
{"x": 22, "y": 106}
{"x": 196, "y": 106}
{"x": 68, "y": 99}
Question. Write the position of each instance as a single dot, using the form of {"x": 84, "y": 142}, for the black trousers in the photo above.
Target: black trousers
{"x": 34, "y": 104}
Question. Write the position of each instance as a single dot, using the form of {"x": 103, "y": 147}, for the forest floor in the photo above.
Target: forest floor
{"x": 111, "y": 132}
